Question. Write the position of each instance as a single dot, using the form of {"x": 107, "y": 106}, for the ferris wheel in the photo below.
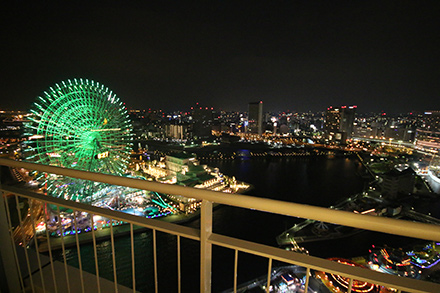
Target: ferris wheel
{"x": 79, "y": 124}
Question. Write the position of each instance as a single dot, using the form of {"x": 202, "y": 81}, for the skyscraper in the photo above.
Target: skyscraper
{"x": 203, "y": 119}
{"x": 339, "y": 123}
{"x": 255, "y": 118}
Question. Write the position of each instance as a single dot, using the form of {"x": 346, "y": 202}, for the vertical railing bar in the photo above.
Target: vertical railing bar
{"x": 113, "y": 255}
{"x": 24, "y": 242}
{"x": 133, "y": 272}
{"x": 36, "y": 244}
{"x": 306, "y": 286}
{"x": 156, "y": 285}
{"x": 96, "y": 255}
{"x": 235, "y": 270}
{"x": 179, "y": 276}
{"x": 269, "y": 274}
{"x": 350, "y": 285}
{"x": 205, "y": 246}
{"x": 22, "y": 223}
{"x": 8, "y": 214}
{"x": 63, "y": 248}
{"x": 50, "y": 251}
{"x": 75, "y": 214}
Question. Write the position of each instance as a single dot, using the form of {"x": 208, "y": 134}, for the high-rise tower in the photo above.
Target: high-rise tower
{"x": 339, "y": 123}
{"x": 203, "y": 119}
{"x": 255, "y": 118}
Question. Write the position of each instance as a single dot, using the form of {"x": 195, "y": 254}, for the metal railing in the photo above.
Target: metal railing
{"x": 205, "y": 234}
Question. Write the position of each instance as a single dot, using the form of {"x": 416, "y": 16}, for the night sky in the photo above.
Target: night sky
{"x": 292, "y": 55}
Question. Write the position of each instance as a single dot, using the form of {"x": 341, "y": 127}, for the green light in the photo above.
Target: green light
{"x": 76, "y": 121}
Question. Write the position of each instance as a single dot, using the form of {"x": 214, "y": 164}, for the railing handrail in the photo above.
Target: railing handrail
{"x": 211, "y": 238}
{"x": 367, "y": 222}
{"x": 159, "y": 225}
{"x": 233, "y": 243}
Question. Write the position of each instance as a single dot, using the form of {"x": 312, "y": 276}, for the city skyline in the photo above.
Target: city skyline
{"x": 312, "y": 120}
{"x": 293, "y": 56}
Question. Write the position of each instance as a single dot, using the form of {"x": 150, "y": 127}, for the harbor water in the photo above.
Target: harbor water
{"x": 313, "y": 180}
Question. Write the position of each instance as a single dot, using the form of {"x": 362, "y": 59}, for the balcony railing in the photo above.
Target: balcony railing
{"x": 204, "y": 235}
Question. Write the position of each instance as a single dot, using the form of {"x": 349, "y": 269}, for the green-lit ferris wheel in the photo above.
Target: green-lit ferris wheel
{"x": 79, "y": 124}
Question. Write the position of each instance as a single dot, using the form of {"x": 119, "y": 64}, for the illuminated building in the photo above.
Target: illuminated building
{"x": 188, "y": 171}
{"x": 178, "y": 131}
{"x": 428, "y": 134}
{"x": 400, "y": 180}
{"x": 203, "y": 118}
{"x": 400, "y": 132}
{"x": 433, "y": 176}
{"x": 332, "y": 123}
{"x": 184, "y": 169}
{"x": 431, "y": 120}
{"x": 176, "y": 162}
{"x": 428, "y": 137}
{"x": 11, "y": 131}
{"x": 255, "y": 117}
{"x": 338, "y": 125}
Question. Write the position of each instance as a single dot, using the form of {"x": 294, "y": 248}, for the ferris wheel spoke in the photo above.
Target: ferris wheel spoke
{"x": 78, "y": 124}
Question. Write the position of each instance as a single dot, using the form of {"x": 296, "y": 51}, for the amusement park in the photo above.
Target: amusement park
{"x": 81, "y": 124}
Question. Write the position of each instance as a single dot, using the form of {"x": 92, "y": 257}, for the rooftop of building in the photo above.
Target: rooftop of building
{"x": 182, "y": 155}
{"x": 399, "y": 170}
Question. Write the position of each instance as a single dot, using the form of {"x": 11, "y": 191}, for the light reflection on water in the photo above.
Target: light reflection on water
{"x": 309, "y": 180}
